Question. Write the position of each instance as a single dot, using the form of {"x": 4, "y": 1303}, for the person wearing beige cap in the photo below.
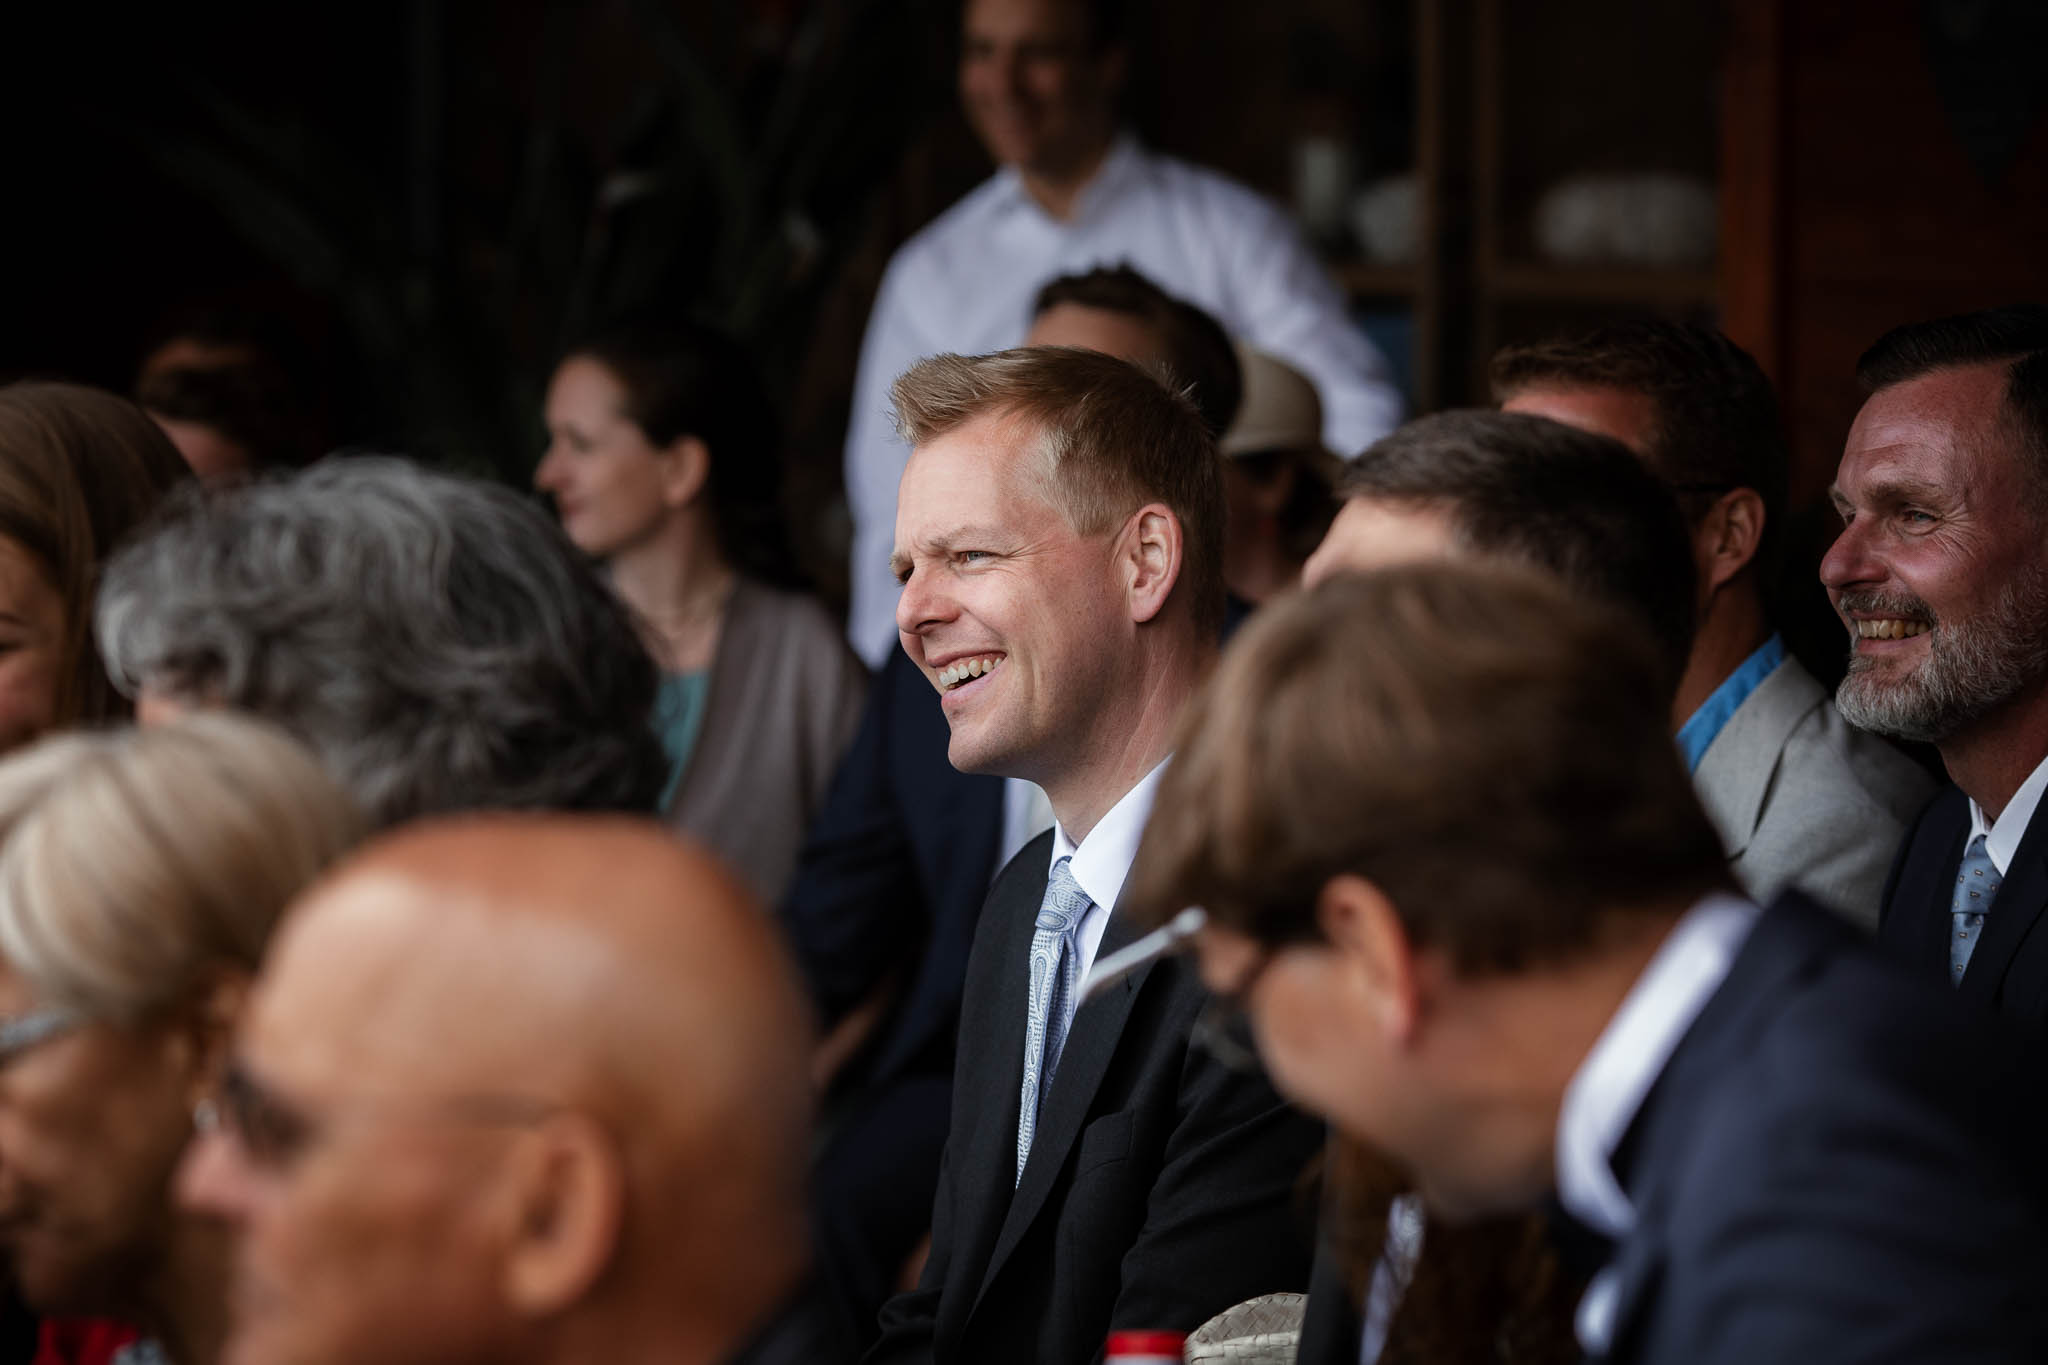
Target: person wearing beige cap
{"x": 1278, "y": 477}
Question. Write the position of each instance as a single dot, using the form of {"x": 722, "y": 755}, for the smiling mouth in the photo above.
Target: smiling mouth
{"x": 1890, "y": 628}
{"x": 963, "y": 671}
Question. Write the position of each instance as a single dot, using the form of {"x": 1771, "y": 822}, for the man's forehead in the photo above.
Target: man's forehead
{"x": 1946, "y": 427}
{"x": 1108, "y": 330}
{"x": 343, "y": 988}
{"x": 1626, "y": 415}
{"x": 992, "y": 448}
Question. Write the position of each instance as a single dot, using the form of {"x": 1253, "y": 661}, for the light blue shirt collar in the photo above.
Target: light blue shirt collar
{"x": 1705, "y": 725}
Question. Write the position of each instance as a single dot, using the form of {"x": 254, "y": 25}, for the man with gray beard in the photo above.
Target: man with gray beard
{"x": 1941, "y": 575}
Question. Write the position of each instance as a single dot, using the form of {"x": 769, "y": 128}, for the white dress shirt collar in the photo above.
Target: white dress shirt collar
{"x": 1103, "y": 859}
{"x": 1610, "y": 1085}
{"x": 1124, "y": 157}
{"x": 2002, "y": 836}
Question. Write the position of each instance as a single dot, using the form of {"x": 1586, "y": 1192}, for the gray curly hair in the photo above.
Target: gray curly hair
{"x": 437, "y": 641}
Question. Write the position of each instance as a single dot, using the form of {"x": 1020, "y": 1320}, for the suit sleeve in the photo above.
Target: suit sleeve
{"x": 855, "y": 899}
{"x": 910, "y": 1320}
{"x": 1232, "y": 1213}
{"x": 1888, "y": 1231}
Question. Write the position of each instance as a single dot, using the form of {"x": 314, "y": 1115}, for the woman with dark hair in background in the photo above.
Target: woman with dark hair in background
{"x": 663, "y": 462}
{"x": 79, "y": 469}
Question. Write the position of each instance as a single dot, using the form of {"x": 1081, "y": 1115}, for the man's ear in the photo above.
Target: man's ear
{"x": 686, "y": 468}
{"x": 1728, "y": 538}
{"x": 1366, "y": 931}
{"x": 1150, "y": 552}
{"x": 564, "y": 1206}
{"x": 205, "y": 1029}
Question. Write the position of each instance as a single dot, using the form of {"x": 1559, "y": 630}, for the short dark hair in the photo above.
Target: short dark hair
{"x": 1490, "y": 750}
{"x": 249, "y": 402}
{"x": 1717, "y": 422}
{"x": 1198, "y": 350}
{"x": 1572, "y": 502}
{"x": 2016, "y": 333}
{"x": 688, "y": 379}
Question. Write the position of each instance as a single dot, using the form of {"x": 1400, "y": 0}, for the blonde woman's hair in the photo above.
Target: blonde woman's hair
{"x": 136, "y": 863}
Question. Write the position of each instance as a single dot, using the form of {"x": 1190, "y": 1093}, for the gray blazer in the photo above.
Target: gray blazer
{"x": 784, "y": 700}
{"x": 1804, "y": 799}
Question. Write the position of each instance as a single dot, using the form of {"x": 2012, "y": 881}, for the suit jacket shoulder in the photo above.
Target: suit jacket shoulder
{"x": 1802, "y": 799}
{"x": 1839, "y": 1163}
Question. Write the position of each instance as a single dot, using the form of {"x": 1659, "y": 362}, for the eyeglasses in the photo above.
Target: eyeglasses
{"x": 1224, "y": 1027}
{"x": 273, "y": 1133}
{"x": 24, "y": 1031}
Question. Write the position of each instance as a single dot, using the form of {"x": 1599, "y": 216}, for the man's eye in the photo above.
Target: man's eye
{"x": 972, "y": 556}
{"x": 1916, "y": 516}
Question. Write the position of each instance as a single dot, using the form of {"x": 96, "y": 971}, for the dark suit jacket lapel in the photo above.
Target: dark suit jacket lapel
{"x": 988, "y": 1153}
{"x": 1790, "y": 936}
{"x": 1091, "y": 1043}
{"x": 2014, "y": 911}
{"x": 1917, "y": 920}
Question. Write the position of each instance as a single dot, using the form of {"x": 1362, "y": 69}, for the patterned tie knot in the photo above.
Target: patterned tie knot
{"x": 1065, "y": 902}
{"x": 1977, "y": 881}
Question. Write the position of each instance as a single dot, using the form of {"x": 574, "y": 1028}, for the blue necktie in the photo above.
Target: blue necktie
{"x": 1976, "y": 883}
{"x": 1055, "y": 967}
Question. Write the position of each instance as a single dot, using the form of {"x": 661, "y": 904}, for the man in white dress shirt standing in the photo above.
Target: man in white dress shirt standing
{"x": 1040, "y": 81}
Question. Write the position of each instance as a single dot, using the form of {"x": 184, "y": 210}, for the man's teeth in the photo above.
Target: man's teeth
{"x": 953, "y": 674}
{"x": 1890, "y": 629}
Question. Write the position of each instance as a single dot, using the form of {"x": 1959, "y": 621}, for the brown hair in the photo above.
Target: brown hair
{"x": 2015, "y": 336}
{"x": 79, "y": 469}
{"x": 1573, "y": 502}
{"x": 1717, "y": 426}
{"x": 1492, "y": 754}
{"x": 1112, "y": 437}
{"x": 1197, "y": 349}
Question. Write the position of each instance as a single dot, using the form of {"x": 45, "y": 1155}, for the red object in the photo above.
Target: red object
{"x": 1146, "y": 1346}
{"x": 78, "y": 1341}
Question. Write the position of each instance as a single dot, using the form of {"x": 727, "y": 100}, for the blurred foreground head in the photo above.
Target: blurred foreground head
{"x": 1419, "y": 805}
{"x": 515, "y": 1087}
{"x": 436, "y": 640}
{"x": 140, "y": 876}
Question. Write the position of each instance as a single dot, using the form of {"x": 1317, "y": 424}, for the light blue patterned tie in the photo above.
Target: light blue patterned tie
{"x": 1055, "y": 967}
{"x": 1976, "y": 883}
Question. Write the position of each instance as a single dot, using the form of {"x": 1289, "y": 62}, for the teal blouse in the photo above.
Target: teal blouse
{"x": 678, "y": 716}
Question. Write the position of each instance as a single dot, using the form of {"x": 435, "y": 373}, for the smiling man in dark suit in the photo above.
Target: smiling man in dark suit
{"x": 1455, "y": 875}
{"x": 1058, "y": 539}
{"x": 1941, "y": 574}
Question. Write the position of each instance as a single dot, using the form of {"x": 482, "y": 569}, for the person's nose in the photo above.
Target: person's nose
{"x": 921, "y": 605}
{"x": 213, "y": 1177}
{"x": 547, "y": 475}
{"x": 1850, "y": 561}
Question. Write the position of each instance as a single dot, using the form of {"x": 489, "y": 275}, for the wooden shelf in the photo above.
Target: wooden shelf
{"x": 1371, "y": 279}
{"x": 1603, "y": 284}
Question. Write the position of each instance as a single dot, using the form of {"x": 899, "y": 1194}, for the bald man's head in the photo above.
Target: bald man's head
{"x": 551, "y": 1077}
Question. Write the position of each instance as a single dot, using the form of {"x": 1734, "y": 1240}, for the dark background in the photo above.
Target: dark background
{"x": 431, "y": 199}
